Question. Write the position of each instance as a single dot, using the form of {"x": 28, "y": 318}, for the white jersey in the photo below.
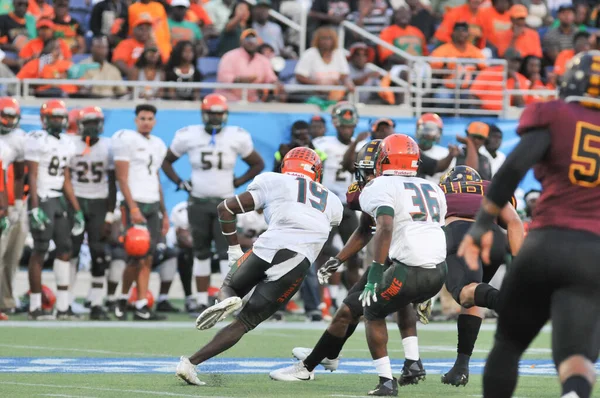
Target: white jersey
{"x": 335, "y": 177}
{"x": 89, "y": 171}
{"x": 251, "y": 224}
{"x": 419, "y": 212}
{"x": 437, "y": 152}
{"x": 52, "y": 154}
{"x": 299, "y": 212}
{"x": 495, "y": 162}
{"x": 14, "y": 142}
{"x": 145, "y": 156}
{"x": 212, "y": 158}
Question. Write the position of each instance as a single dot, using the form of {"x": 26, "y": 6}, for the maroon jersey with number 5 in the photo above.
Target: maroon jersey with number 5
{"x": 570, "y": 170}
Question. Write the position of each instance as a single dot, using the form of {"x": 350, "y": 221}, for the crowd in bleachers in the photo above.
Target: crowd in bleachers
{"x": 238, "y": 42}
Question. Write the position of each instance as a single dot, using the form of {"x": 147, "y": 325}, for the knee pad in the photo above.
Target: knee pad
{"x": 167, "y": 270}
{"x": 62, "y": 272}
{"x": 99, "y": 259}
{"x": 115, "y": 270}
{"x": 201, "y": 267}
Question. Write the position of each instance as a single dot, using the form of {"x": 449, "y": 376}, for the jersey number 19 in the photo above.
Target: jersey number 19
{"x": 316, "y": 191}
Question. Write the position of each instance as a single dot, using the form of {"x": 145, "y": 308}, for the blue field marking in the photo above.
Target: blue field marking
{"x": 234, "y": 366}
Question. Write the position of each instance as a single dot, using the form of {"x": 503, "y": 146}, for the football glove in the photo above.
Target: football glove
{"x": 4, "y": 224}
{"x": 328, "y": 269}
{"x": 233, "y": 254}
{"x": 184, "y": 186}
{"x": 38, "y": 219}
{"x": 373, "y": 280}
{"x": 78, "y": 224}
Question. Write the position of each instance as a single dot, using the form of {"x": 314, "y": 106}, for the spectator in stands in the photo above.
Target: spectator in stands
{"x": 360, "y": 55}
{"x": 149, "y": 68}
{"x": 40, "y": 9}
{"x": 495, "y": 19}
{"x": 459, "y": 47}
{"x": 538, "y": 14}
{"x": 129, "y": 50}
{"x": 268, "y": 31}
{"x": 488, "y": 86}
{"x": 49, "y": 65}
{"x": 317, "y": 127}
{"x": 477, "y": 134}
{"x": 329, "y": 12}
{"x": 525, "y": 40}
{"x": 245, "y": 65}
{"x": 45, "y": 33}
{"x": 422, "y": 19}
{"x": 564, "y": 34}
{"x": 197, "y": 15}
{"x": 240, "y": 19}
{"x": 491, "y": 148}
{"x": 531, "y": 68}
{"x": 219, "y": 12}
{"x": 300, "y": 138}
{"x": 581, "y": 42}
{"x": 324, "y": 63}
{"x": 467, "y": 13}
{"x": 404, "y": 37}
{"x": 180, "y": 29}
{"x": 182, "y": 68}
{"x": 107, "y": 13}
{"x": 372, "y": 15}
{"x": 68, "y": 28}
{"x": 17, "y": 27}
{"x": 155, "y": 11}
{"x": 105, "y": 71}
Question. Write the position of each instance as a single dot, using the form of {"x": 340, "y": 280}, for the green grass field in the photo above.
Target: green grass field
{"x": 110, "y": 358}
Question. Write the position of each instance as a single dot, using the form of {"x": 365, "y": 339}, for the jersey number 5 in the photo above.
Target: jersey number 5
{"x": 426, "y": 200}
{"x": 585, "y": 169}
{"x": 318, "y": 192}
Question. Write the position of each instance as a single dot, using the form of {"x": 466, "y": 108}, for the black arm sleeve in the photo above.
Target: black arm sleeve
{"x": 530, "y": 150}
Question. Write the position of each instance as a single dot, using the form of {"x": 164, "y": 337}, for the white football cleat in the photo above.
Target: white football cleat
{"x": 186, "y": 371}
{"x": 301, "y": 353}
{"x": 296, "y": 372}
{"x": 218, "y": 312}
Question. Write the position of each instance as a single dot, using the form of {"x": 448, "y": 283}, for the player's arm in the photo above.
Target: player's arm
{"x": 514, "y": 228}
{"x": 256, "y": 163}
{"x": 472, "y": 158}
{"x": 112, "y": 191}
{"x": 350, "y": 157}
{"x": 32, "y": 169}
{"x": 530, "y": 150}
{"x": 359, "y": 238}
{"x": 122, "y": 174}
{"x": 227, "y": 211}
{"x": 3, "y": 199}
{"x": 163, "y": 208}
{"x": 170, "y": 172}
{"x": 19, "y": 179}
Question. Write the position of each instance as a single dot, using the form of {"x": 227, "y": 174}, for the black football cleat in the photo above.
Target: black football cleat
{"x": 412, "y": 372}
{"x": 166, "y": 306}
{"x": 385, "y": 388}
{"x": 67, "y": 315}
{"x": 277, "y": 316}
{"x": 110, "y": 305}
{"x": 40, "y": 315}
{"x": 97, "y": 313}
{"x": 457, "y": 376}
{"x": 145, "y": 314}
{"x": 121, "y": 310}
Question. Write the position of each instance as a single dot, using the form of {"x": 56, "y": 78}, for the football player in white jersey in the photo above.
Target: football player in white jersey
{"x": 138, "y": 156}
{"x": 300, "y": 213}
{"x": 213, "y": 149}
{"x": 93, "y": 179}
{"x": 48, "y": 153}
{"x": 12, "y": 138}
{"x": 409, "y": 214}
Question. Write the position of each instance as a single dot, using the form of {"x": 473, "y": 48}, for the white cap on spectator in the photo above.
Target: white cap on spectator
{"x": 180, "y": 3}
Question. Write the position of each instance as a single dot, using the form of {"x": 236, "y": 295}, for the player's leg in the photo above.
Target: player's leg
{"x": 412, "y": 370}
{"x": 15, "y": 240}
{"x": 185, "y": 265}
{"x": 62, "y": 265}
{"x": 167, "y": 270}
{"x": 221, "y": 245}
{"x": 200, "y": 227}
{"x": 96, "y": 214}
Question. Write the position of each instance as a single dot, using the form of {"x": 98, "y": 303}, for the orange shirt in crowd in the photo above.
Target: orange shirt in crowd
{"x": 128, "y": 50}
{"x": 35, "y": 46}
{"x": 461, "y": 14}
{"x": 197, "y": 13}
{"x": 528, "y": 43}
{"x": 560, "y": 65}
{"x": 488, "y": 87}
{"x": 160, "y": 26}
{"x": 409, "y": 39}
{"x": 45, "y": 11}
{"x": 539, "y": 85}
{"x": 465, "y": 72}
{"x": 56, "y": 70}
{"x": 493, "y": 23}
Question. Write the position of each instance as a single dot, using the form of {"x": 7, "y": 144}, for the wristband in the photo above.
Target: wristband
{"x": 483, "y": 223}
{"x": 109, "y": 218}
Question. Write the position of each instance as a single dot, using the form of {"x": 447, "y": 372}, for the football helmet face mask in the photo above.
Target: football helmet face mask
{"x": 303, "y": 161}
{"x": 215, "y": 112}
{"x": 10, "y": 114}
{"x": 91, "y": 122}
{"x": 429, "y": 130}
{"x": 344, "y": 114}
{"x": 364, "y": 166}
{"x": 137, "y": 241}
{"x": 582, "y": 79}
{"x": 398, "y": 155}
{"x": 54, "y": 116}
{"x": 461, "y": 174}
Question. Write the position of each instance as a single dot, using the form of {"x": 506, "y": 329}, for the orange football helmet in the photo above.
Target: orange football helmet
{"x": 91, "y": 121}
{"x": 303, "y": 161}
{"x": 398, "y": 155}
{"x": 137, "y": 241}
{"x": 214, "y": 112}
{"x": 429, "y": 124}
{"x": 73, "y": 126}
{"x": 10, "y": 114}
{"x": 54, "y": 116}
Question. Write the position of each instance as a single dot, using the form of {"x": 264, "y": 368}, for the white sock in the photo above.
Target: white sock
{"x": 111, "y": 297}
{"x": 62, "y": 300}
{"x": 35, "y": 301}
{"x": 96, "y": 293}
{"x": 411, "y": 348}
{"x": 163, "y": 297}
{"x": 202, "y": 298}
{"x": 334, "y": 291}
{"x": 384, "y": 367}
{"x": 123, "y": 297}
{"x": 141, "y": 303}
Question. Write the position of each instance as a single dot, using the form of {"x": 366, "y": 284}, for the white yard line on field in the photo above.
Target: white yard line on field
{"x": 65, "y": 386}
{"x": 85, "y": 350}
{"x": 65, "y": 395}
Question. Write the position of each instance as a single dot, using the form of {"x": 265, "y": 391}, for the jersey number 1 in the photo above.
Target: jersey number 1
{"x": 316, "y": 191}
{"x": 425, "y": 199}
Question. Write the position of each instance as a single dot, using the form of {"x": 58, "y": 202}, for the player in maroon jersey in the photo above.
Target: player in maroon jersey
{"x": 556, "y": 274}
{"x": 464, "y": 191}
